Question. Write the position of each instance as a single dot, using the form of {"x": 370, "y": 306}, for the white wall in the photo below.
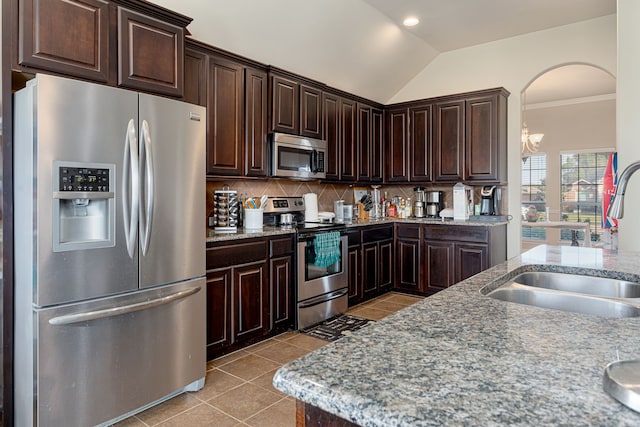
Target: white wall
{"x": 346, "y": 44}
{"x": 628, "y": 116}
{"x": 513, "y": 63}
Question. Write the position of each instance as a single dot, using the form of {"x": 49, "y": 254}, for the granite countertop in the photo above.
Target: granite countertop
{"x": 461, "y": 358}
{"x": 269, "y": 230}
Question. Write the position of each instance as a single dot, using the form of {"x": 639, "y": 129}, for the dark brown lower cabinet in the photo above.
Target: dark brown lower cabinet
{"x": 438, "y": 261}
{"x": 250, "y": 301}
{"x": 430, "y": 258}
{"x": 218, "y": 309}
{"x": 249, "y": 292}
{"x": 281, "y": 283}
{"x": 354, "y": 265}
{"x": 408, "y": 258}
{"x": 370, "y": 262}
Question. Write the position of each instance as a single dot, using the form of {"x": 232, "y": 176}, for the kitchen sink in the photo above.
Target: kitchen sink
{"x": 600, "y": 286}
{"x": 572, "y": 292}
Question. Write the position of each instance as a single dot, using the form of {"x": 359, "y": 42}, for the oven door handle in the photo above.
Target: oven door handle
{"x": 323, "y": 298}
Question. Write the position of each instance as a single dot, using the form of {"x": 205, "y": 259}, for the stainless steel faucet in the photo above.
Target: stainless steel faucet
{"x": 616, "y": 208}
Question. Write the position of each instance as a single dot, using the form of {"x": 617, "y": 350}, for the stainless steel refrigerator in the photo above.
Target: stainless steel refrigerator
{"x": 110, "y": 251}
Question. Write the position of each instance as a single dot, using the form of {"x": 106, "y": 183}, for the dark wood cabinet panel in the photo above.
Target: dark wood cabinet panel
{"x": 354, "y": 274}
{"x": 251, "y": 301}
{"x": 385, "y": 272}
{"x": 408, "y": 265}
{"x": 224, "y": 110}
{"x": 331, "y": 125}
{"x": 370, "y": 141}
{"x": 218, "y": 310}
{"x": 67, "y": 37}
{"x": 284, "y": 105}
{"x": 364, "y": 143}
{"x": 281, "y": 311}
{"x": 256, "y": 122}
{"x": 396, "y": 145}
{"x": 150, "y": 54}
{"x": 471, "y": 259}
{"x": 310, "y": 112}
{"x": 377, "y": 145}
{"x": 438, "y": 262}
{"x": 348, "y": 136}
{"x": 420, "y": 135}
{"x": 195, "y": 77}
{"x": 370, "y": 258}
{"x": 486, "y": 148}
{"x": 448, "y": 141}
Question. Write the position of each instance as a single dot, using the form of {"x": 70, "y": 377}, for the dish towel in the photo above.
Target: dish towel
{"x": 327, "y": 248}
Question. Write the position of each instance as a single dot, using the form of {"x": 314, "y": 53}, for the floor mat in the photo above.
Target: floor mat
{"x": 336, "y": 328}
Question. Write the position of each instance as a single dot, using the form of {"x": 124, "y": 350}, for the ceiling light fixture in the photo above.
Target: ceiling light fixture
{"x": 411, "y": 21}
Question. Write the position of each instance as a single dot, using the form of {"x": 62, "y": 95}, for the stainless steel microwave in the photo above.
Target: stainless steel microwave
{"x": 297, "y": 157}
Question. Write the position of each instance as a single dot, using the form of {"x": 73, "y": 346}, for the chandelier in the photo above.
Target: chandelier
{"x": 530, "y": 141}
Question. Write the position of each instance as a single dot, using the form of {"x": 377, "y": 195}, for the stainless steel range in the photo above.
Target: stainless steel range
{"x": 321, "y": 288}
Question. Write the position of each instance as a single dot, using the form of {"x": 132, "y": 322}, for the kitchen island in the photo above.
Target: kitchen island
{"x": 462, "y": 358}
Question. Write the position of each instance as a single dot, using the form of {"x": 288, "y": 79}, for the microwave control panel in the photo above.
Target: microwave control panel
{"x": 83, "y": 179}
{"x": 321, "y": 161}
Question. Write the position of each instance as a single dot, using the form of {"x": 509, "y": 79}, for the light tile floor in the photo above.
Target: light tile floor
{"x": 238, "y": 390}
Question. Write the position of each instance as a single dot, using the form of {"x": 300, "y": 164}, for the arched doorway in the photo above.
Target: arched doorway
{"x": 568, "y": 129}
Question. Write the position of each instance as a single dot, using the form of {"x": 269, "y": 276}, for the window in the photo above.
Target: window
{"x": 533, "y": 192}
{"x": 582, "y": 185}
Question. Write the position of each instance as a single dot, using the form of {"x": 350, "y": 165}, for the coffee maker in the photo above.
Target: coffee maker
{"x": 490, "y": 200}
{"x": 435, "y": 203}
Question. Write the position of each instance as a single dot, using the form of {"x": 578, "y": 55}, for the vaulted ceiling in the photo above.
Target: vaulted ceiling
{"x": 361, "y": 46}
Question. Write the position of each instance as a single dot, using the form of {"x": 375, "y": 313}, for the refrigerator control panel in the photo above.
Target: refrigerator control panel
{"x": 83, "y": 179}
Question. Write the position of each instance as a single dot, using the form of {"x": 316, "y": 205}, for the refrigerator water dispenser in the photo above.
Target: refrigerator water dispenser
{"x": 83, "y": 206}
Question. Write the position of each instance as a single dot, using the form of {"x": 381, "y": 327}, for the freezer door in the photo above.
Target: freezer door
{"x": 96, "y": 361}
{"x": 173, "y": 195}
{"x": 69, "y": 121}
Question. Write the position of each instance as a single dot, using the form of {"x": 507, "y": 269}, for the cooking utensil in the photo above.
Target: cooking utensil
{"x": 263, "y": 200}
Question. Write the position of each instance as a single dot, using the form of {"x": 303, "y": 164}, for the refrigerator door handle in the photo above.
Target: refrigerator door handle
{"x": 146, "y": 217}
{"x": 70, "y": 319}
{"x": 130, "y": 187}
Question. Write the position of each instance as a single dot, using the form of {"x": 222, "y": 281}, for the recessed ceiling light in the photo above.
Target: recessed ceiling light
{"x": 411, "y": 21}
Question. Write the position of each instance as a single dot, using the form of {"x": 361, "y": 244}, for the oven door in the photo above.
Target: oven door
{"x": 314, "y": 276}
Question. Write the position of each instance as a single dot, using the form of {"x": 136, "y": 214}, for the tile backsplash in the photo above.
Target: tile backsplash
{"x": 327, "y": 193}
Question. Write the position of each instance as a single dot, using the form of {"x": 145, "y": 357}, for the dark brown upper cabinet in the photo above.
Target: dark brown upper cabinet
{"x": 348, "y": 136}
{"x": 331, "y": 130}
{"x": 225, "y": 136}
{"x": 255, "y": 122}
{"x": 448, "y": 140}
{"x": 377, "y": 145}
{"x": 296, "y": 107}
{"x": 66, "y": 37}
{"x": 420, "y": 135}
{"x": 236, "y": 94}
{"x": 370, "y": 139}
{"x": 150, "y": 54}
{"x": 284, "y": 105}
{"x": 486, "y": 142}
{"x": 140, "y": 46}
{"x": 397, "y": 144}
{"x": 195, "y": 77}
{"x": 310, "y": 112}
